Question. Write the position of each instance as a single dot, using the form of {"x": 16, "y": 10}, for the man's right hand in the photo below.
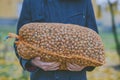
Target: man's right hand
{"x": 46, "y": 66}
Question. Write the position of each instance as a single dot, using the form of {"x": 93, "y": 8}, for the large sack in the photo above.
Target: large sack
{"x": 57, "y": 42}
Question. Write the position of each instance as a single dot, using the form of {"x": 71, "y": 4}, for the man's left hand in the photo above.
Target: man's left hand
{"x": 74, "y": 67}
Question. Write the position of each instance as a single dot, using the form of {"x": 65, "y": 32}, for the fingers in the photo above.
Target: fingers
{"x": 74, "y": 67}
{"x": 35, "y": 61}
{"x": 50, "y": 66}
{"x": 47, "y": 66}
{"x": 37, "y": 58}
{"x": 71, "y": 67}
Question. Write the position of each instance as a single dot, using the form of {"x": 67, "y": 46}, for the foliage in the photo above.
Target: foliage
{"x": 109, "y": 71}
{"x": 10, "y": 68}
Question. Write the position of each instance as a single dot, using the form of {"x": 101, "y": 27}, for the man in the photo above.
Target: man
{"x": 78, "y": 12}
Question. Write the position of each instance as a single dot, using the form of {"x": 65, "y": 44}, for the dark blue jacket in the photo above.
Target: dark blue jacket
{"x": 60, "y": 11}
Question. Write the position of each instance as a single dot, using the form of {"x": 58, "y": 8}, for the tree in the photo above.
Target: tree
{"x": 114, "y": 27}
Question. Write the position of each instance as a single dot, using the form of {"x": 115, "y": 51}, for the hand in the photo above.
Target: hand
{"x": 46, "y": 66}
{"x": 74, "y": 67}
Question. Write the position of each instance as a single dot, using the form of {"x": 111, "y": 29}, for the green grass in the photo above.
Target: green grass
{"x": 6, "y": 29}
{"x": 108, "y": 40}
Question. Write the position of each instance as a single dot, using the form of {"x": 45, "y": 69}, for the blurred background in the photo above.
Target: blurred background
{"x": 107, "y": 14}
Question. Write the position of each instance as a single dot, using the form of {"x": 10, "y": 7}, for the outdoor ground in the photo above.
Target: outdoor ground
{"x": 10, "y": 68}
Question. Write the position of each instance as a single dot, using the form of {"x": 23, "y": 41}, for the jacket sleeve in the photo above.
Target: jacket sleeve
{"x": 90, "y": 23}
{"x": 25, "y": 17}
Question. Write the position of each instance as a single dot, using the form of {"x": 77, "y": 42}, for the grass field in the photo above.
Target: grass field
{"x": 10, "y": 68}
